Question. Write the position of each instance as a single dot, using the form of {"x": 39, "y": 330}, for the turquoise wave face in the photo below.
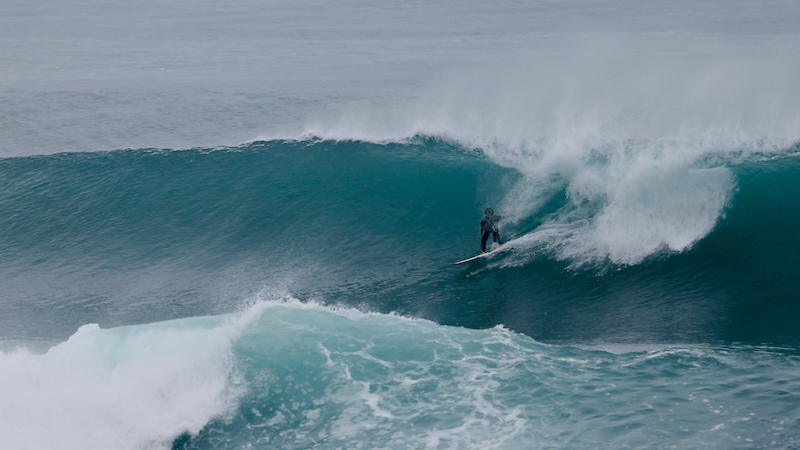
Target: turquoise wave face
{"x": 184, "y": 231}
{"x": 142, "y": 235}
{"x": 286, "y": 374}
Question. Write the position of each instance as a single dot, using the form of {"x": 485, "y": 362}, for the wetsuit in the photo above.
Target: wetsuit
{"x": 489, "y": 226}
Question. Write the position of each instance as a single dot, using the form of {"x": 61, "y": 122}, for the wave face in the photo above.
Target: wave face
{"x": 286, "y": 374}
{"x": 633, "y": 244}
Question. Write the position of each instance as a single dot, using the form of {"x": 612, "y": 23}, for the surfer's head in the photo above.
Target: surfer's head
{"x": 488, "y": 212}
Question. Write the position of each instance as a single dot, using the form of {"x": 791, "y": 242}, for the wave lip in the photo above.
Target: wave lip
{"x": 131, "y": 387}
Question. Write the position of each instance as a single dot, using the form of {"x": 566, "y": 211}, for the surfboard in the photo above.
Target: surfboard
{"x": 502, "y": 248}
{"x": 471, "y": 259}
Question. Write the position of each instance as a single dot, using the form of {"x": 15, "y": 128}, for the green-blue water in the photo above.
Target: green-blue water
{"x": 549, "y": 346}
{"x": 377, "y": 226}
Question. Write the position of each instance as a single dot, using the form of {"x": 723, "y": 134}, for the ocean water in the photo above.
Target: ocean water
{"x": 232, "y": 225}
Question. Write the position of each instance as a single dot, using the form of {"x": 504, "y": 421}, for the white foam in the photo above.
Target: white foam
{"x": 652, "y": 205}
{"x": 124, "y": 388}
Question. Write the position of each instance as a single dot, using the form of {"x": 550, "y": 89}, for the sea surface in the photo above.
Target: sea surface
{"x": 231, "y": 225}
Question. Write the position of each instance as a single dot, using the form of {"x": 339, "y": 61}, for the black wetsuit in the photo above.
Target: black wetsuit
{"x": 489, "y": 226}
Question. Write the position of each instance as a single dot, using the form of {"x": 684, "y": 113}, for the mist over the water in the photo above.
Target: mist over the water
{"x": 592, "y": 89}
{"x": 189, "y": 74}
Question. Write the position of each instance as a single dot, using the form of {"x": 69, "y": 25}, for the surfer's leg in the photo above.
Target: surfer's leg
{"x": 484, "y": 238}
{"x": 496, "y": 237}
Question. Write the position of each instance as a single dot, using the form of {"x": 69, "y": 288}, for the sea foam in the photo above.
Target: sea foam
{"x": 131, "y": 387}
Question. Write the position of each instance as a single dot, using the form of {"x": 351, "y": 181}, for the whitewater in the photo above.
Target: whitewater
{"x": 233, "y": 225}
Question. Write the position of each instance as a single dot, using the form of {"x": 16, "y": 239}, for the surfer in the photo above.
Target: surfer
{"x": 489, "y": 226}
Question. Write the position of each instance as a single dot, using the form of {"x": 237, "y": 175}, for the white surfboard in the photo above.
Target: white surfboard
{"x": 504, "y": 247}
{"x": 471, "y": 259}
